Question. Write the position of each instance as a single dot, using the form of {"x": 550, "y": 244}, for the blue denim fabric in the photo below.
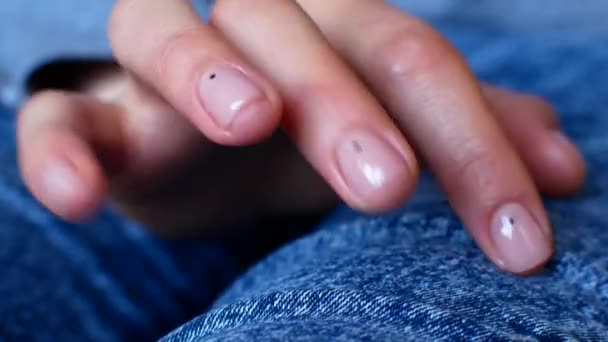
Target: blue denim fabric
{"x": 416, "y": 275}
{"x": 411, "y": 275}
{"x": 109, "y": 280}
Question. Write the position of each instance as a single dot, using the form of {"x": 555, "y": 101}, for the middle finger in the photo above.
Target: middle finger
{"x": 338, "y": 125}
{"x": 437, "y": 101}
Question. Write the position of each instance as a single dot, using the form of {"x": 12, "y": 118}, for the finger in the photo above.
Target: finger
{"x": 330, "y": 115}
{"x": 158, "y": 140}
{"x": 138, "y": 143}
{"x": 429, "y": 90}
{"x": 156, "y": 137}
{"x": 165, "y": 44}
{"x": 60, "y": 137}
{"x": 555, "y": 163}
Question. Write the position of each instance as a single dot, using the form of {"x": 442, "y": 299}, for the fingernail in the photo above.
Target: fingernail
{"x": 59, "y": 180}
{"x": 369, "y": 164}
{"x": 225, "y": 92}
{"x": 520, "y": 242}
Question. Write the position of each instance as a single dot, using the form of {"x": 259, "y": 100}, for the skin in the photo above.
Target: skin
{"x": 140, "y": 135}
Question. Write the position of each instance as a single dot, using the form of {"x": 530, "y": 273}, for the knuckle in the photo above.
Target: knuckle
{"x": 412, "y": 50}
{"x": 118, "y": 21}
{"x": 227, "y": 10}
{"x": 176, "y": 51}
{"x": 168, "y": 51}
{"x": 472, "y": 164}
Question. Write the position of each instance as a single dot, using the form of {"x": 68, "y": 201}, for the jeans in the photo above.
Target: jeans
{"x": 414, "y": 274}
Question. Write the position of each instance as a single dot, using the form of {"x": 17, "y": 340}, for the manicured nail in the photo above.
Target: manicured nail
{"x": 520, "y": 241}
{"x": 225, "y": 92}
{"x": 369, "y": 164}
{"x": 59, "y": 180}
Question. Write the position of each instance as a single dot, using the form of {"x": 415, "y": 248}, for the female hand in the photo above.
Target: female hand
{"x": 358, "y": 86}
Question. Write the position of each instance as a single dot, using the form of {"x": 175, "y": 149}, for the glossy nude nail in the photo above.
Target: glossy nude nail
{"x": 520, "y": 241}
{"x": 369, "y": 165}
{"x": 226, "y": 92}
{"x": 60, "y": 180}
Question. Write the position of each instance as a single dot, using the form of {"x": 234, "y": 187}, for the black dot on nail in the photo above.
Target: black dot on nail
{"x": 357, "y": 147}
{"x": 511, "y": 221}
{"x": 212, "y": 76}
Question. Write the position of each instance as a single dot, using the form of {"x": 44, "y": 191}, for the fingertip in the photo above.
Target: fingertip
{"x": 563, "y": 170}
{"x": 573, "y": 163}
{"x": 70, "y": 183}
{"x": 535, "y": 269}
{"x": 521, "y": 243}
{"x": 396, "y": 193}
{"x": 255, "y": 122}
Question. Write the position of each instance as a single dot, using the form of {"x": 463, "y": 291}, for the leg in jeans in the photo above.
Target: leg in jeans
{"x": 416, "y": 275}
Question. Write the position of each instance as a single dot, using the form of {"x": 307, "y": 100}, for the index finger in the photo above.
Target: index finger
{"x": 166, "y": 44}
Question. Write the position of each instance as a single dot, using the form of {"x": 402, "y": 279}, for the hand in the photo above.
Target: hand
{"x": 357, "y": 96}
